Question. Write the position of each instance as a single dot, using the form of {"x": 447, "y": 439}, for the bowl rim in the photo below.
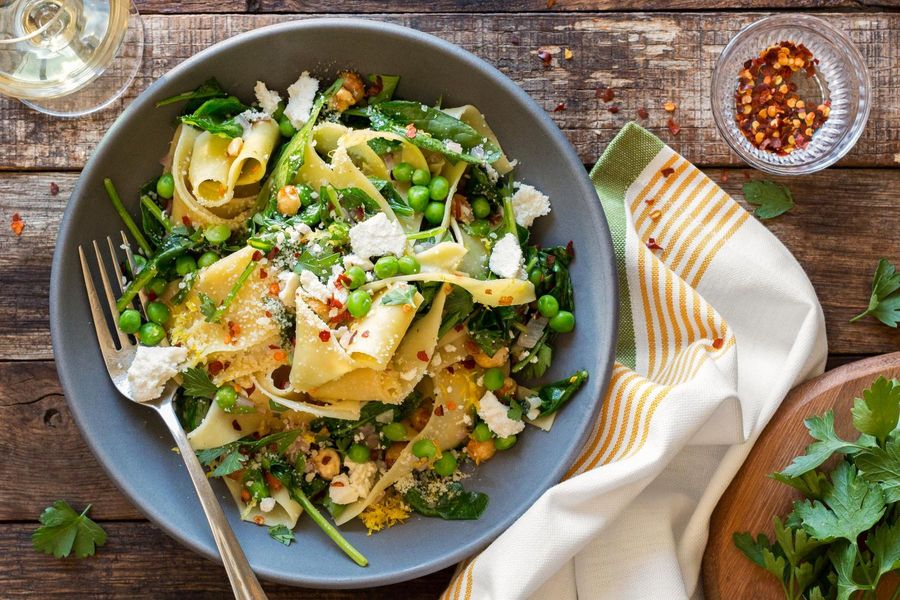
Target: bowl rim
{"x": 600, "y": 373}
{"x": 849, "y": 137}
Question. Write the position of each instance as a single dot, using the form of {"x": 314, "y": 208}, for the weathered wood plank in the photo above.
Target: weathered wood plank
{"x": 647, "y": 58}
{"x": 507, "y": 6}
{"x": 139, "y": 561}
{"x": 837, "y": 240}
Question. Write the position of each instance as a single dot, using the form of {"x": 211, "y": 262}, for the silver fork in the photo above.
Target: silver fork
{"x": 118, "y": 358}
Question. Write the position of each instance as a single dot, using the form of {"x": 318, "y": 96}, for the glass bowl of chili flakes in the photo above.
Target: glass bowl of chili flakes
{"x": 790, "y": 94}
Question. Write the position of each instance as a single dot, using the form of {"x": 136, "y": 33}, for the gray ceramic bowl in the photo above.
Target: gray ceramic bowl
{"x": 134, "y": 447}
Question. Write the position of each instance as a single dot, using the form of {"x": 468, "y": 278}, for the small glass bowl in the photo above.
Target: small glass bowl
{"x": 841, "y": 77}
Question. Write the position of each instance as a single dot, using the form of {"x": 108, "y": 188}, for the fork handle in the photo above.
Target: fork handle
{"x": 243, "y": 580}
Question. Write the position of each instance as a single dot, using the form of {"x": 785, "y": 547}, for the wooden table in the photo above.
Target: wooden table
{"x": 649, "y": 51}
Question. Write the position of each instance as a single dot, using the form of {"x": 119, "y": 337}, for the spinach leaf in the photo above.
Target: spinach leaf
{"x": 191, "y": 410}
{"x": 490, "y": 326}
{"x": 154, "y": 222}
{"x": 320, "y": 264}
{"x": 453, "y": 505}
{"x": 434, "y": 130}
{"x": 216, "y": 116}
{"x": 382, "y": 146}
{"x": 382, "y": 87}
{"x": 457, "y": 309}
{"x": 208, "y": 89}
{"x": 554, "y": 395}
{"x": 553, "y": 264}
{"x": 397, "y": 202}
{"x": 174, "y": 245}
{"x": 537, "y": 362}
{"x": 340, "y": 427}
{"x": 352, "y": 198}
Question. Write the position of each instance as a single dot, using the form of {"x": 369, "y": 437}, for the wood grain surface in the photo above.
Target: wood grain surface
{"x": 753, "y": 498}
{"x": 649, "y": 51}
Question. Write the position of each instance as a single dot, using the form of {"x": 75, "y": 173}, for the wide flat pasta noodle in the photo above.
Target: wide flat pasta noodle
{"x": 442, "y": 257}
{"x": 380, "y": 332}
{"x": 259, "y": 142}
{"x": 447, "y": 430}
{"x": 491, "y": 292}
{"x": 344, "y": 409}
{"x": 318, "y": 356}
{"x": 405, "y": 370}
{"x": 286, "y": 511}
{"x": 218, "y": 428}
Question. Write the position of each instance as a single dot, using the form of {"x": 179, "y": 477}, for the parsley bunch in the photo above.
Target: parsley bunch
{"x": 842, "y": 539}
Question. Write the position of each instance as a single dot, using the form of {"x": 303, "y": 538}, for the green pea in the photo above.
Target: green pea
{"x": 563, "y": 322}
{"x": 226, "y": 397}
{"x": 284, "y": 126}
{"x": 536, "y": 277}
{"x": 479, "y": 228}
{"x": 445, "y": 465}
{"x": 493, "y": 379}
{"x": 358, "y": 453}
{"x": 151, "y": 334}
{"x": 130, "y": 320}
{"x": 185, "y": 264}
{"x": 395, "y": 432}
{"x": 386, "y": 266}
{"x": 158, "y": 313}
{"x": 424, "y": 449}
{"x": 418, "y": 196}
{"x": 402, "y": 172}
{"x": 359, "y": 303}
{"x": 482, "y": 432}
{"x": 206, "y": 259}
{"x": 434, "y": 213}
{"x": 505, "y": 443}
{"x": 156, "y": 286}
{"x": 409, "y": 265}
{"x": 165, "y": 186}
{"x": 548, "y": 306}
{"x": 217, "y": 234}
{"x": 357, "y": 277}
{"x": 481, "y": 207}
{"x": 439, "y": 187}
{"x": 421, "y": 177}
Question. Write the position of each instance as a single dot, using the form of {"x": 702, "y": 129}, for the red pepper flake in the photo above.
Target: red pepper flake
{"x": 613, "y": 109}
{"x": 514, "y": 40}
{"x": 343, "y": 279}
{"x": 271, "y": 480}
{"x": 411, "y": 131}
{"x": 545, "y": 57}
{"x": 186, "y": 221}
{"x": 469, "y": 363}
{"x": 274, "y": 288}
{"x": 724, "y": 176}
{"x": 666, "y": 172}
{"x": 365, "y": 333}
{"x": 17, "y": 224}
{"x": 234, "y": 329}
{"x": 458, "y": 327}
{"x": 450, "y": 404}
{"x": 54, "y": 189}
{"x": 422, "y": 355}
{"x": 375, "y": 87}
{"x": 718, "y": 343}
{"x": 642, "y": 113}
{"x": 151, "y": 296}
{"x": 570, "y": 249}
{"x": 674, "y": 127}
{"x": 324, "y": 335}
{"x": 651, "y": 243}
{"x": 235, "y": 425}
{"x": 274, "y": 346}
{"x": 263, "y": 274}
{"x": 506, "y": 300}
{"x": 279, "y": 355}
{"x": 650, "y": 201}
{"x": 335, "y": 303}
{"x": 273, "y": 252}
{"x": 257, "y": 255}
{"x": 215, "y": 367}
{"x": 439, "y": 411}
{"x": 268, "y": 314}
{"x": 560, "y": 107}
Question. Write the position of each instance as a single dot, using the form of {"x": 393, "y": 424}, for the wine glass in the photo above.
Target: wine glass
{"x": 68, "y": 57}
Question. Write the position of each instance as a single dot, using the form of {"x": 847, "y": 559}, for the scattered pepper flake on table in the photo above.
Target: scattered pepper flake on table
{"x": 613, "y": 109}
{"x": 768, "y": 110}
{"x": 670, "y": 106}
{"x": 54, "y": 189}
{"x": 568, "y": 54}
{"x": 674, "y": 127}
{"x": 17, "y": 224}
{"x": 545, "y": 57}
{"x": 642, "y": 113}
{"x": 560, "y": 107}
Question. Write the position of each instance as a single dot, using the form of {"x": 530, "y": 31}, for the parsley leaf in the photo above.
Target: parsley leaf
{"x": 196, "y": 383}
{"x": 849, "y": 508}
{"x": 280, "y": 533}
{"x": 772, "y": 199}
{"x": 884, "y": 542}
{"x": 822, "y": 429}
{"x": 400, "y": 295}
{"x": 207, "y": 307}
{"x": 62, "y": 530}
{"x": 877, "y": 412}
{"x": 233, "y": 461}
{"x": 882, "y": 465}
{"x": 884, "y": 303}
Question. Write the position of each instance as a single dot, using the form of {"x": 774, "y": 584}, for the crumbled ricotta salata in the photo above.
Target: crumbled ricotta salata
{"x": 506, "y": 257}
{"x": 352, "y": 260}
{"x": 152, "y": 368}
{"x": 312, "y": 287}
{"x": 492, "y": 174}
{"x": 268, "y": 99}
{"x": 534, "y": 407}
{"x": 267, "y": 504}
{"x": 529, "y": 203}
{"x": 377, "y": 236}
{"x": 493, "y": 413}
{"x": 353, "y": 485}
{"x": 340, "y": 491}
{"x": 301, "y": 95}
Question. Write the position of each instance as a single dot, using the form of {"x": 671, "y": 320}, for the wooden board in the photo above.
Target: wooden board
{"x": 753, "y": 498}
{"x": 647, "y": 58}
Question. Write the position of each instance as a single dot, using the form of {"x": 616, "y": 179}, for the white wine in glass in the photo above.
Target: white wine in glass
{"x": 68, "y": 57}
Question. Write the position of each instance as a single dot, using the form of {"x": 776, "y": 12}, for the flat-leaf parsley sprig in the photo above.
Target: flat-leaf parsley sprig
{"x": 63, "y": 530}
{"x": 884, "y": 303}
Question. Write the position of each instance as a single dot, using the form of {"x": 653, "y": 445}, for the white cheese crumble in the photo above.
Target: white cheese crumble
{"x": 492, "y": 174}
{"x": 152, "y": 368}
{"x": 288, "y": 282}
{"x": 267, "y": 504}
{"x": 534, "y": 408}
{"x": 340, "y": 491}
{"x": 301, "y": 95}
{"x": 268, "y": 99}
{"x": 493, "y": 413}
{"x": 506, "y": 258}
{"x": 355, "y": 485}
{"x": 529, "y": 204}
{"x": 453, "y": 146}
{"x": 312, "y": 287}
{"x": 352, "y": 260}
{"x": 377, "y": 236}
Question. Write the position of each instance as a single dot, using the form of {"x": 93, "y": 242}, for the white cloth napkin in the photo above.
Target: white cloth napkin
{"x": 718, "y": 322}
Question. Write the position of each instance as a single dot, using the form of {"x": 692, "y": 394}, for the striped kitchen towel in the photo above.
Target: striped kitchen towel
{"x": 718, "y": 322}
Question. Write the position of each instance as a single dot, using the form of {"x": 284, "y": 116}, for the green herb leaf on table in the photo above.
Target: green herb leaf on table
{"x": 822, "y": 429}
{"x": 770, "y": 198}
{"x": 884, "y": 303}
{"x": 63, "y": 530}
{"x": 399, "y": 296}
{"x": 280, "y": 533}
